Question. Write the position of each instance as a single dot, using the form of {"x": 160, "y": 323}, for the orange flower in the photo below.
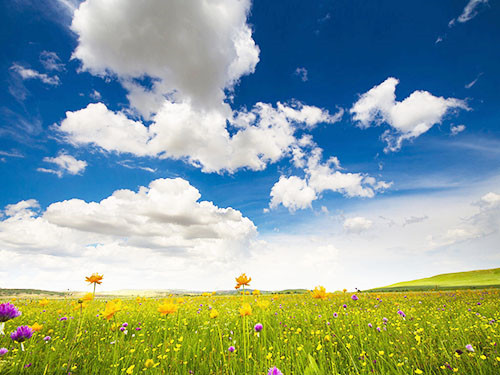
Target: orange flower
{"x": 246, "y": 309}
{"x": 36, "y": 327}
{"x": 319, "y": 292}
{"x": 112, "y": 307}
{"x": 242, "y": 280}
{"x": 95, "y": 278}
{"x": 87, "y": 297}
{"x": 44, "y": 302}
{"x": 167, "y": 308}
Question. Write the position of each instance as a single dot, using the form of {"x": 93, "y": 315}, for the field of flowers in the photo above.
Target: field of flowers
{"x": 316, "y": 333}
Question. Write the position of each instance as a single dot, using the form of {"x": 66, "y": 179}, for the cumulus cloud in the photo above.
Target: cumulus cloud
{"x": 470, "y": 11}
{"x": 357, "y": 224}
{"x": 64, "y": 164}
{"x": 262, "y": 135}
{"x": 167, "y": 217}
{"x": 408, "y": 119}
{"x": 27, "y": 73}
{"x": 298, "y": 193}
{"x": 193, "y": 51}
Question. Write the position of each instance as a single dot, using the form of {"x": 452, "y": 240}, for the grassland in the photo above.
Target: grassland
{"x": 379, "y": 333}
{"x": 450, "y": 281}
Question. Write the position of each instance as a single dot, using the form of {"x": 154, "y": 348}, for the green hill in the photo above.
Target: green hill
{"x": 457, "y": 280}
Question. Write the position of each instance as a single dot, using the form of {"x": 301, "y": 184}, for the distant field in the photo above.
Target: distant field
{"x": 459, "y": 280}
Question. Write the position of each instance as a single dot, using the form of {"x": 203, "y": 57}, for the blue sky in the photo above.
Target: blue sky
{"x": 342, "y": 143}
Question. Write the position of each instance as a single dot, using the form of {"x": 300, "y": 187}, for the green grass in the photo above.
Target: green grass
{"x": 457, "y": 280}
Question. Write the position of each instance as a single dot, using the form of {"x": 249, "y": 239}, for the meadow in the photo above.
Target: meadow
{"x": 443, "y": 332}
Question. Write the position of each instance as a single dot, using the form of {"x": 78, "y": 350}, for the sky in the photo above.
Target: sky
{"x": 174, "y": 144}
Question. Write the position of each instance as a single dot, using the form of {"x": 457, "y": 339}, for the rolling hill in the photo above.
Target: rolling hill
{"x": 456, "y": 280}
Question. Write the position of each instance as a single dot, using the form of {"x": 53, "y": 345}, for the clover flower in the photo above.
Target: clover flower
{"x": 274, "y": 371}
{"x": 8, "y": 311}
{"x": 258, "y": 327}
{"x": 21, "y": 334}
{"x": 354, "y": 297}
{"x": 3, "y": 351}
{"x": 231, "y": 349}
{"x": 469, "y": 347}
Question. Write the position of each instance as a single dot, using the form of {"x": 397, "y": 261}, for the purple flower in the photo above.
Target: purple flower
{"x": 63, "y": 318}
{"x": 370, "y": 325}
{"x": 385, "y": 320}
{"x": 378, "y": 329}
{"x": 3, "y": 351}
{"x": 354, "y": 297}
{"x": 21, "y": 333}
{"x": 344, "y": 306}
{"x": 125, "y": 325}
{"x": 138, "y": 328}
{"x": 122, "y": 329}
{"x": 258, "y": 327}
{"x": 8, "y": 311}
{"x": 401, "y": 313}
{"x": 47, "y": 338}
{"x": 469, "y": 347}
{"x": 335, "y": 315}
{"x": 274, "y": 371}
{"x": 231, "y": 349}
{"x": 27, "y": 365}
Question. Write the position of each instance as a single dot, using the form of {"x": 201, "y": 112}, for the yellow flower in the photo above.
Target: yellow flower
{"x": 138, "y": 300}
{"x": 344, "y": 290}
{"x": 149, "y": 363}
{"x": 256, "y": 292}
{"x": 44, "y": 302}
{"x": 418, "y": 371}
{"x": 87, "y": 297}
{"x": 112, "y": 307}
{"x": 242, "y": 280}
{"x": 130, "y": 370}
{"x": 95, "y": 278}
{"x": 319, "y": 292}
{"x": 36, "y": 327}
{"x": 214, "y": 314}
{"x": 167, "y": 308}
{"x": 263, "y": 304}
{"x": 246, "y": 309}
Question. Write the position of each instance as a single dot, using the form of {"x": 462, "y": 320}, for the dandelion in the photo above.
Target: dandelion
{"x": 258, "y": 327}
{"x": 7, "y": 312}
{"x": 167, "y": 308}
{"x": 112, "y": 307}
{"x": 242, "y": 281}
{"x": 274, "y": 371}
{"x": 3, "y": 351}
{"x": 319, "y": 292}
{"x": 149, "y": 363}
{"x": 231, "y": 349}
{"x": 469, "y": 348}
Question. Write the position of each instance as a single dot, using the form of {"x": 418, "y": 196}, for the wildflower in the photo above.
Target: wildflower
{"x": 44, "y": 302}
{"x": 231, "y": 349}
{"x": 344, "y": 290}
{"x": 87, "y": 297}
{"x": 246, "y": 309}
{"x": 167, "y": 308}
{"x": 344, "y": 306}
{"x": 3, "y": 351}
{"x": 214, "y": 314}
{"x": 263, "y": 304}
{"x": 36, "y": 327}
{"x": 469, "y": 348}
{"x": 370, "y": 325}
{"x": 149, "y": 363}
{"x": 335, "y": 315}
{"x": 319, "y": 292}
{"x": 47, "y": 338}
{"x": 258, "y": 327}
{"x": 8, "y": 311}
{"x": 242, "y": 280}
{"x": 21, "y": 334}
{"x": 401, "y": 313}
{"x": 274, "y": 371}
{"x": 256, "y": 292}
{"x": 63, "y": 318}
{"x": 112, "y": 307}
{"x": 354, "y": 297}
{"x": 95, "y": 278}
{"x": 130, "y": 370}
{"x": 125, "y": 324}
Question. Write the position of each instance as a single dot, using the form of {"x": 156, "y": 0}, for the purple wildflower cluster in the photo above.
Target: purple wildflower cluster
{"x": 274, "y": 371}
{"x": 21, "y": 334}
{"x": 258, "y": 327}
{"x": 8, "y": 311}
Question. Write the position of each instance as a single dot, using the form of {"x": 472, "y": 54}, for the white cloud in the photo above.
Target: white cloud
{"x": 298, "y": 193}
{"x": 193, "y": 50}
{"x": 408, "y": 119}
{"x": 263, "y": 135}
{"x": 457, "y": 129}
{"x": 96, "y": 95}
{"x": 302, "y": 74}
{"x": 357, "y": 224}
{"x": 65, "y": 164}
{"x": 166, "y": 217}
{"x": 27, "y": 73}
{"x": 470, "y": 11}
{"x": 51, "y": 61}
{"x": 473, "y": 82}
